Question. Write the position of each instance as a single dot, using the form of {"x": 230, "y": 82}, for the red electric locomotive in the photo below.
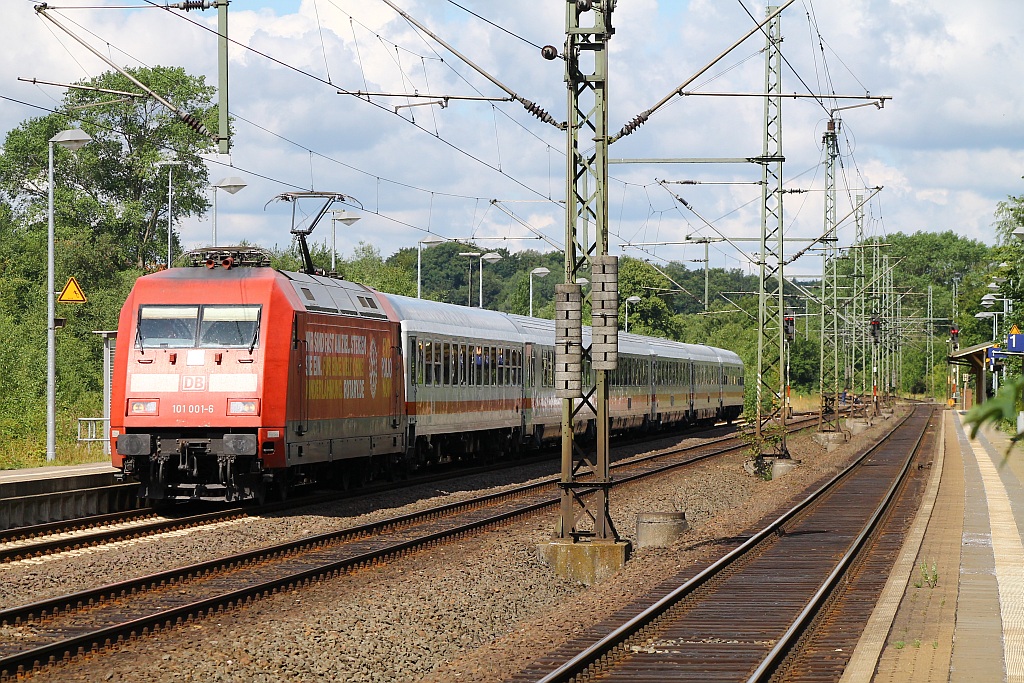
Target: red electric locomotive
{"x": 232, "y": 378}
{"x": 215, "y": 365}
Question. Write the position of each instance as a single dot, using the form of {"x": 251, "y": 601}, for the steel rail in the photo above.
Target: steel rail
{"x": 47, "y": 654}
{"x": 782, "y": 647}
{"x": 617, "y": 638}
{"x": 92, "y": 535}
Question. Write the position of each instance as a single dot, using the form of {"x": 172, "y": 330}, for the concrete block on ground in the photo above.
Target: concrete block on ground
{"x": 659, "y": 529}
{"x": 829, "y": 440}
{"x": 856, "y": 425}
{"x": 588, "y": 562}
{"x": 783, "y": 466}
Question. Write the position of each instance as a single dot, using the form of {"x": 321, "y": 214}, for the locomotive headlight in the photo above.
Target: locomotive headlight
{"x": 243, "y": 406}
{"x": 143, "y": 406}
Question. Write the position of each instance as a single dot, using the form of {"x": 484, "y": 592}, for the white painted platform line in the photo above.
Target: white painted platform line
{"x": 1009, "y": 561}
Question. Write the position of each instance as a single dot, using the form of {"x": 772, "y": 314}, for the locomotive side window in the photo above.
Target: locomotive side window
{"x": 229, "y": 326}
{"x": 167, "y": 326}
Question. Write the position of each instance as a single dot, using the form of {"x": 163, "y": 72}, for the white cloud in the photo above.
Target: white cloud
{"x": 946, "y": 148}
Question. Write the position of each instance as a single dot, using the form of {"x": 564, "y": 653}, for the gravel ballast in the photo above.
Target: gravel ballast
{"x": 478, "y": 609}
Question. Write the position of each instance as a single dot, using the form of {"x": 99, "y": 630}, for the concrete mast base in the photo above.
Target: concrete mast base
{"x": 588, "y": 562}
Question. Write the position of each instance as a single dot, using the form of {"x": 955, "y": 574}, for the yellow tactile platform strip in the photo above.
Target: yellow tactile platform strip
{"x": 1009, "y": 562}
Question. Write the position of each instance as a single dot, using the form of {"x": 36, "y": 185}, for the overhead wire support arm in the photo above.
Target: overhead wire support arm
{"x": 641, "y": 118}
{"x": 530, "y": 106}
{"x": 190, "y": 120}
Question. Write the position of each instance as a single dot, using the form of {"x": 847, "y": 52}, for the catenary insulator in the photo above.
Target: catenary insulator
{"x": 195, "y": 124}
{"x": 538, "y": 112}
{"x": 635, "y": 122}
{"x": 189, "y": 5}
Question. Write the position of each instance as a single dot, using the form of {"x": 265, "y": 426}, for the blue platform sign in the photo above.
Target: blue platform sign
{"x": 1015, "y": 343}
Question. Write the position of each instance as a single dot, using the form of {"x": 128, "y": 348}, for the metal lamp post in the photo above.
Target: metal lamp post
{"x": 630, "y": 300}
{"x": 231, "y": 185}
{"x": 170, "y": 205}
{"x": 339, "y": 216}
{"x": 539, "y": 272}
{"x": 72, "y": 140}
{"x": 429, "y": 241}
{"x": 490, "y": 257}
{"x": 995, "y": 317}
{"x": 469, "y": 283}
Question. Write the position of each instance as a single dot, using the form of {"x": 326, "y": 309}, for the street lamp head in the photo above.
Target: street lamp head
{"x": 231, "y": 184}
{"x": 582, "y": 281}
{"x": 988, "y": 300}
{"x": 343, "y": 216}
{"x": 469, "y": 253}
{"x": 984, "y": 314}
{"x": 73, "y": 139}
{"x": 633, "y": 300}
{"x": 1019, "y": 233}
{"x": 491, "y": 257}
{"x": 431, "y": 240}
{"x": 540, "y": 272}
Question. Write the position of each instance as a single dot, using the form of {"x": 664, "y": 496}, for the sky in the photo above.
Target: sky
{"x": 946, "y": 148}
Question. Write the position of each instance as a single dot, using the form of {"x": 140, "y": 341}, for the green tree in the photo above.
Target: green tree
{"x": 110, "y": 219}
{"x": 113, "y": 186}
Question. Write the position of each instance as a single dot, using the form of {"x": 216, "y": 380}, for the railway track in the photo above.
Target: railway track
{"x": 753, "y": 614}
{"x": 57, "y": 537}
{"x": 56, "y": 630}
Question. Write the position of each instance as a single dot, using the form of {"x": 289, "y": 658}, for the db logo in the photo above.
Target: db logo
{"x": 193, "y": 383}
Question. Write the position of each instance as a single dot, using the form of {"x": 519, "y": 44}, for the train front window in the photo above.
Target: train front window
{"x": 171, "y": 327}
{"x": 178, "y": 327}
{"x": 229, "y": 326}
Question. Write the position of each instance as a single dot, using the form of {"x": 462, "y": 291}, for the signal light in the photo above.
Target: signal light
{"x": 954, "y": 336}
{"x": 789, "y": 327}
{"x": 876, "y": 330}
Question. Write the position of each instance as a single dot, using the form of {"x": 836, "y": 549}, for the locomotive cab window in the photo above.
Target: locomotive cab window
{"x": 197, "y": 326}
{"x": 229, "y": 326}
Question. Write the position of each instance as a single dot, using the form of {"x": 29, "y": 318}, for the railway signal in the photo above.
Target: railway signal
{"x": 789, "y": 327}
{"x": 876, "y": 330}
{"x": 954, "y": 336}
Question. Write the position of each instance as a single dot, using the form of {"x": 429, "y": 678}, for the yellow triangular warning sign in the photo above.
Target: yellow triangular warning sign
{"x": 1014, "y": 330}
{"x": 72, "y": 293}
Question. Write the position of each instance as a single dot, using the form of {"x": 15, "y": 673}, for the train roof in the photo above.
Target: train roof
{"x": 332, "y": 295}
{"x": 421, "y": 315}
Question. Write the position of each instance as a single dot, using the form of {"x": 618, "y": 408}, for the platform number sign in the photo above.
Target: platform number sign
{"x": 72, "y": 293}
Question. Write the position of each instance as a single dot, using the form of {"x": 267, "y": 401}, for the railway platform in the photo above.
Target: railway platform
{"x": 953, "y": 608}
{"x": 46, "y": 494}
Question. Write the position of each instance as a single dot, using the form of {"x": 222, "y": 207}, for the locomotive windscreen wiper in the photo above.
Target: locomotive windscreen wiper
{"x": 138, "y": 336}
{"x": 255, "y": 336}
